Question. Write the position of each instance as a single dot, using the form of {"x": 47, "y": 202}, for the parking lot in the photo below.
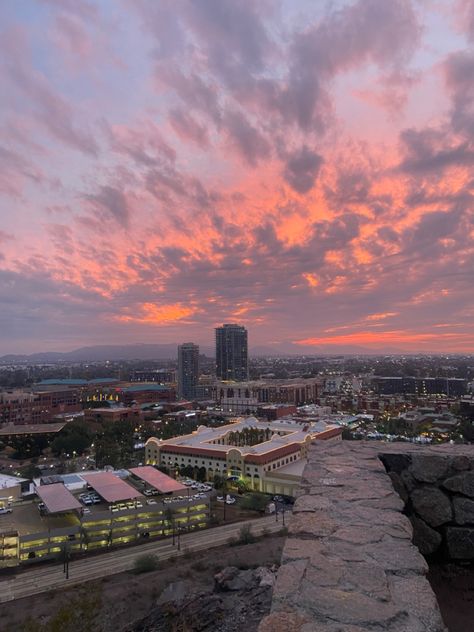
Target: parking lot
{"x": 28, "y": 517}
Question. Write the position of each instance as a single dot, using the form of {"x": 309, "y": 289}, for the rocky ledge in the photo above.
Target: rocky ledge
{"x": 349, "y": 564}
{"x": 237, "y": 601}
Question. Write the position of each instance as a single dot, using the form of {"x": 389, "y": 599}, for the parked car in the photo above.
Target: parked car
{"x": 86, "y": 510}
{"x": 150, "y": 501}
{"x": 6, "y": 510}
{"x": 220, "y": 499}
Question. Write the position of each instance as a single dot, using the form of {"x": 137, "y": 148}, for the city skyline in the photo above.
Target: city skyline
{"x": 304, "y": 169}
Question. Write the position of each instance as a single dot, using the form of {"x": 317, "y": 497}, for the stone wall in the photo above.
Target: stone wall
{"x": 349, "y": 564}
{"x": 438, "y": 492}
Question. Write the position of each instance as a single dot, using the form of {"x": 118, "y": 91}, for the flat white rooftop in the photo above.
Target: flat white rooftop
{"x": 295, "y": 431}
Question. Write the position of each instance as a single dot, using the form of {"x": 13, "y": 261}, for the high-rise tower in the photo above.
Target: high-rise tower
{"x": 188, "y": 370}
{"x": 232, "y": 362}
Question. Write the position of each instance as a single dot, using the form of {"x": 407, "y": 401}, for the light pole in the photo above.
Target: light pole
{"x": 66, "y": 559}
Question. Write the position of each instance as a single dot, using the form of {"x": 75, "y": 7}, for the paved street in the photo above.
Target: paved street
{"x": 44, "y": 578}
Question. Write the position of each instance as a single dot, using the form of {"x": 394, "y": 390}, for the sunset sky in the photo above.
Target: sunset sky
{"x": 301, "y": 167}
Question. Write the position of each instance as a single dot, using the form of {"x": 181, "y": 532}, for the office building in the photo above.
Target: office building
{"x": 188, "y": 370}
{"x": 232, "y": 353}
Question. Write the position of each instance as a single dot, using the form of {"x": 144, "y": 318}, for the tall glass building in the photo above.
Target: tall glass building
{"x": 188, "y": 370}
{"x": 232, "y": 361}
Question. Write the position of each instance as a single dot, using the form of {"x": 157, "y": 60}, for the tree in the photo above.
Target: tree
{"x": 201, "y": 474}
{"x": 256, "y": 501}
{"x": 30, "y": 471}
{"x": 145, "y": 563}
{"x": 75, "y": 437}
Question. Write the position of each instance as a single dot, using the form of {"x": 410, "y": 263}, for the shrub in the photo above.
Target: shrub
{"x": 199, "y": 566}
{"x": 145, "y": 563}
{"x": 245, "y": 534}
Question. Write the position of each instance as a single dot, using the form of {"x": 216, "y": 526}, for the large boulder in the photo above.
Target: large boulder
{"x": 460, "y": 542}
{"x": 232, "y": 578}
{"x": 428, "y": 468}
{"x": 460, "y": 462}
{"x": 463, "y": 510}
{"x": 424, "y": 537}
{"x": 431, "y": 504}
{"x": 462, "y": 483}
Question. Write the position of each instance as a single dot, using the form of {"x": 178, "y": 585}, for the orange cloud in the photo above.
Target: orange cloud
{"x": 381, "y": 316}
{"x": 312, "y": 279}
{"x": 158, "y": 314}
{"x": 378, "y": 337}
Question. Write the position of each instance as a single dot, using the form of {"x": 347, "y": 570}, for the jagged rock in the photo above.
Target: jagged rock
{"x": 174, "y": 593}
{"x": 460, "y": 542}
{"x": 463, "y": 510}
{"x": 462, "y": 483}
{"x": 432, "y": 505}
{"x": 424, "y": 537}
{"x": 231, "y": 578}
{"x": 265, "y": 576}
{"x": 428, "y": 468}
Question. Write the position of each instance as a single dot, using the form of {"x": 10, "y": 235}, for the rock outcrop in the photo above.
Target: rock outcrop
{"x": 349, "y": 563}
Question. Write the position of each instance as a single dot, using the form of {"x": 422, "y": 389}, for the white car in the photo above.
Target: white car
{"x": 230, "y": 500}
{"x": 220, "y": 499}
{"x": 150, "y": 501}
{"x": 86, "y": 510}
{"x": 6, "y": 510}
{"x": 188, "y": 483}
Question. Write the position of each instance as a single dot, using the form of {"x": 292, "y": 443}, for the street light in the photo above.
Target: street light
{"x": 66, "y": 557}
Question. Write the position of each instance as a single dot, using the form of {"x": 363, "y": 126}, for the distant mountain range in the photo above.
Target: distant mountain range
{"x": 99, "y": 353}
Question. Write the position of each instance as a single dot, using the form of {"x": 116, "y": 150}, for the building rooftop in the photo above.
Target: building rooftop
{"x": 144, "y": 386}
{"x": 294, "y": 432}
{"x": 10, "y": 481}
{"x": 110, "y": 487}
{"x": 57, "y": 498}
{"x": 25, "y": 429}
{"x": 156, "y": 479}
{"x": 77, "y": 382}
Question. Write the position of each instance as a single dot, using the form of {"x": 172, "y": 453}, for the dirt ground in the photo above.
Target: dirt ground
{"x": 453, "y": 586}
{"x": 121, "y": 600}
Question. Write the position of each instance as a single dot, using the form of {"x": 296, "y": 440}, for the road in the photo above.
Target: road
{"x": 51, "y": 577}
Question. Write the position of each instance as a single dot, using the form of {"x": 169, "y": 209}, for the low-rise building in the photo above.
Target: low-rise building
{"x": 247, "y": 397}
{"x": 113, "y": 414}
{"x": 248, "y": 449}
